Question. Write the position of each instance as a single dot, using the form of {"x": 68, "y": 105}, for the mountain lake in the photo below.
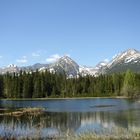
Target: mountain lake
{"x": 64, "y": 116}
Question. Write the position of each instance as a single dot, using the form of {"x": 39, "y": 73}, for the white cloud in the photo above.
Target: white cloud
{"x": 24, "y": 57}
{"x": 35, "y": 54}
{"x": 53, "y": 58}
{"x": 23, "y": 60}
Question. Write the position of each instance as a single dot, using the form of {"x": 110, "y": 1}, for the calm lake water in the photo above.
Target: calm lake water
{"x": 71, "y": 115}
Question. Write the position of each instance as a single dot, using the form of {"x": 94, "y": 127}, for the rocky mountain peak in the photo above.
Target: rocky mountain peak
{"x": 11, "y": 66}
{"x": 131, "y": 51}
{"x": 66, "y": 59}
{"x": 127, "y": 53}
{"x": 129, "y": 59}
{"x": 65, "y": 64}
{"x": 126, "y": 56}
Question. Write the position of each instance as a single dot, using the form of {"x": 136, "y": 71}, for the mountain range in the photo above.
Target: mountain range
{"x": 129, "y": 59}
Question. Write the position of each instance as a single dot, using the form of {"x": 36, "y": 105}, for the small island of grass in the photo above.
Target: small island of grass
{"x": 23, "y": 111}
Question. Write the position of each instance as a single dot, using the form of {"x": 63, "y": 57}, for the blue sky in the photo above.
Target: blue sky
{"x": 89, "y": 31}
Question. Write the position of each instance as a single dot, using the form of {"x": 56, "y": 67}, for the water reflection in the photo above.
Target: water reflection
{"x": 64, "y": 116}
{"x": 51, "y": 123}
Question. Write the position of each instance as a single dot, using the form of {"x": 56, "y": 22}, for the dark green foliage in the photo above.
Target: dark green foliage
{"x": 1, "y": 86}
{"x": 44, "y": 84}
{"x": 130, "y": 84}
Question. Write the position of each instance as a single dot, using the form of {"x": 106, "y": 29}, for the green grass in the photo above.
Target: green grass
{"x": 52, "y": 98}
{"x": 117, "y": 134}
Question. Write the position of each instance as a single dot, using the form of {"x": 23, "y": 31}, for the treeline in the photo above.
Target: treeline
{"x": 45, "y": 84}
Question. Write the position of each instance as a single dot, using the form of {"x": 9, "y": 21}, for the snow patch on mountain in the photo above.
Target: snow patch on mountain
{"x": 84, "y": 71}
{"x": 127, "y": 59}
{"x": 11, "y": 66}
{"x": 126, "y": 56}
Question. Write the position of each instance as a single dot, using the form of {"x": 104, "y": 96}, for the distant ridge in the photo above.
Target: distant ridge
{"x": 129, "y": 59}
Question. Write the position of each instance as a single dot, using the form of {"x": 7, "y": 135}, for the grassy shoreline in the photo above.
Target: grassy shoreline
{"x": 66, "y": 98}
{"x": 116, "y": 134}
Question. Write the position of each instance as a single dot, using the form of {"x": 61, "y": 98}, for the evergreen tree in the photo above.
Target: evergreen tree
{"x": 1, "y": 86}
{"x": 37, "y": 85}
{"x": 45, "y": 84}
{"x": 129, "y": 84}
{"x": 27, "y": 90}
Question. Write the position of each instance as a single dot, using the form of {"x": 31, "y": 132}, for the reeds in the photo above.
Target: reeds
{"x": 116, "y": 134}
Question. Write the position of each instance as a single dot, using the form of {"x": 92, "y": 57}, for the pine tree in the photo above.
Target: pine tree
{"x": 37, "y": 85}
{"x": 129, "y": 84}
{"x": 1, "y": 86}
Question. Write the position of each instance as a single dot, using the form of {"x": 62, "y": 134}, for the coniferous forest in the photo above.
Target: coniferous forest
{"x": 46, "y": 84}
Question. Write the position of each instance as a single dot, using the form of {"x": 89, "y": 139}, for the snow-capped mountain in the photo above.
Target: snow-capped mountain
{"x": 101, "y": 65}
{"x": 129, "y": 59}
{"x": 84, "y": 70}
{"x": 65, "y": 64}
{"x": 34, "y": 67}
{"x": 127, "y": 56}
{"x": 10, "y": 68}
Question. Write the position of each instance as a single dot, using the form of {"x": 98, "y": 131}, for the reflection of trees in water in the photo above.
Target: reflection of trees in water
{"x": 65, "y": 121}
{"x": 128, "y": 118}
{"x": 104, "y": 120}
{"x": 72, "y": 121}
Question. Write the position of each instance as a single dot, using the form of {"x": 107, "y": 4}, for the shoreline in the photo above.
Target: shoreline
{"x": 67, "y": 98}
